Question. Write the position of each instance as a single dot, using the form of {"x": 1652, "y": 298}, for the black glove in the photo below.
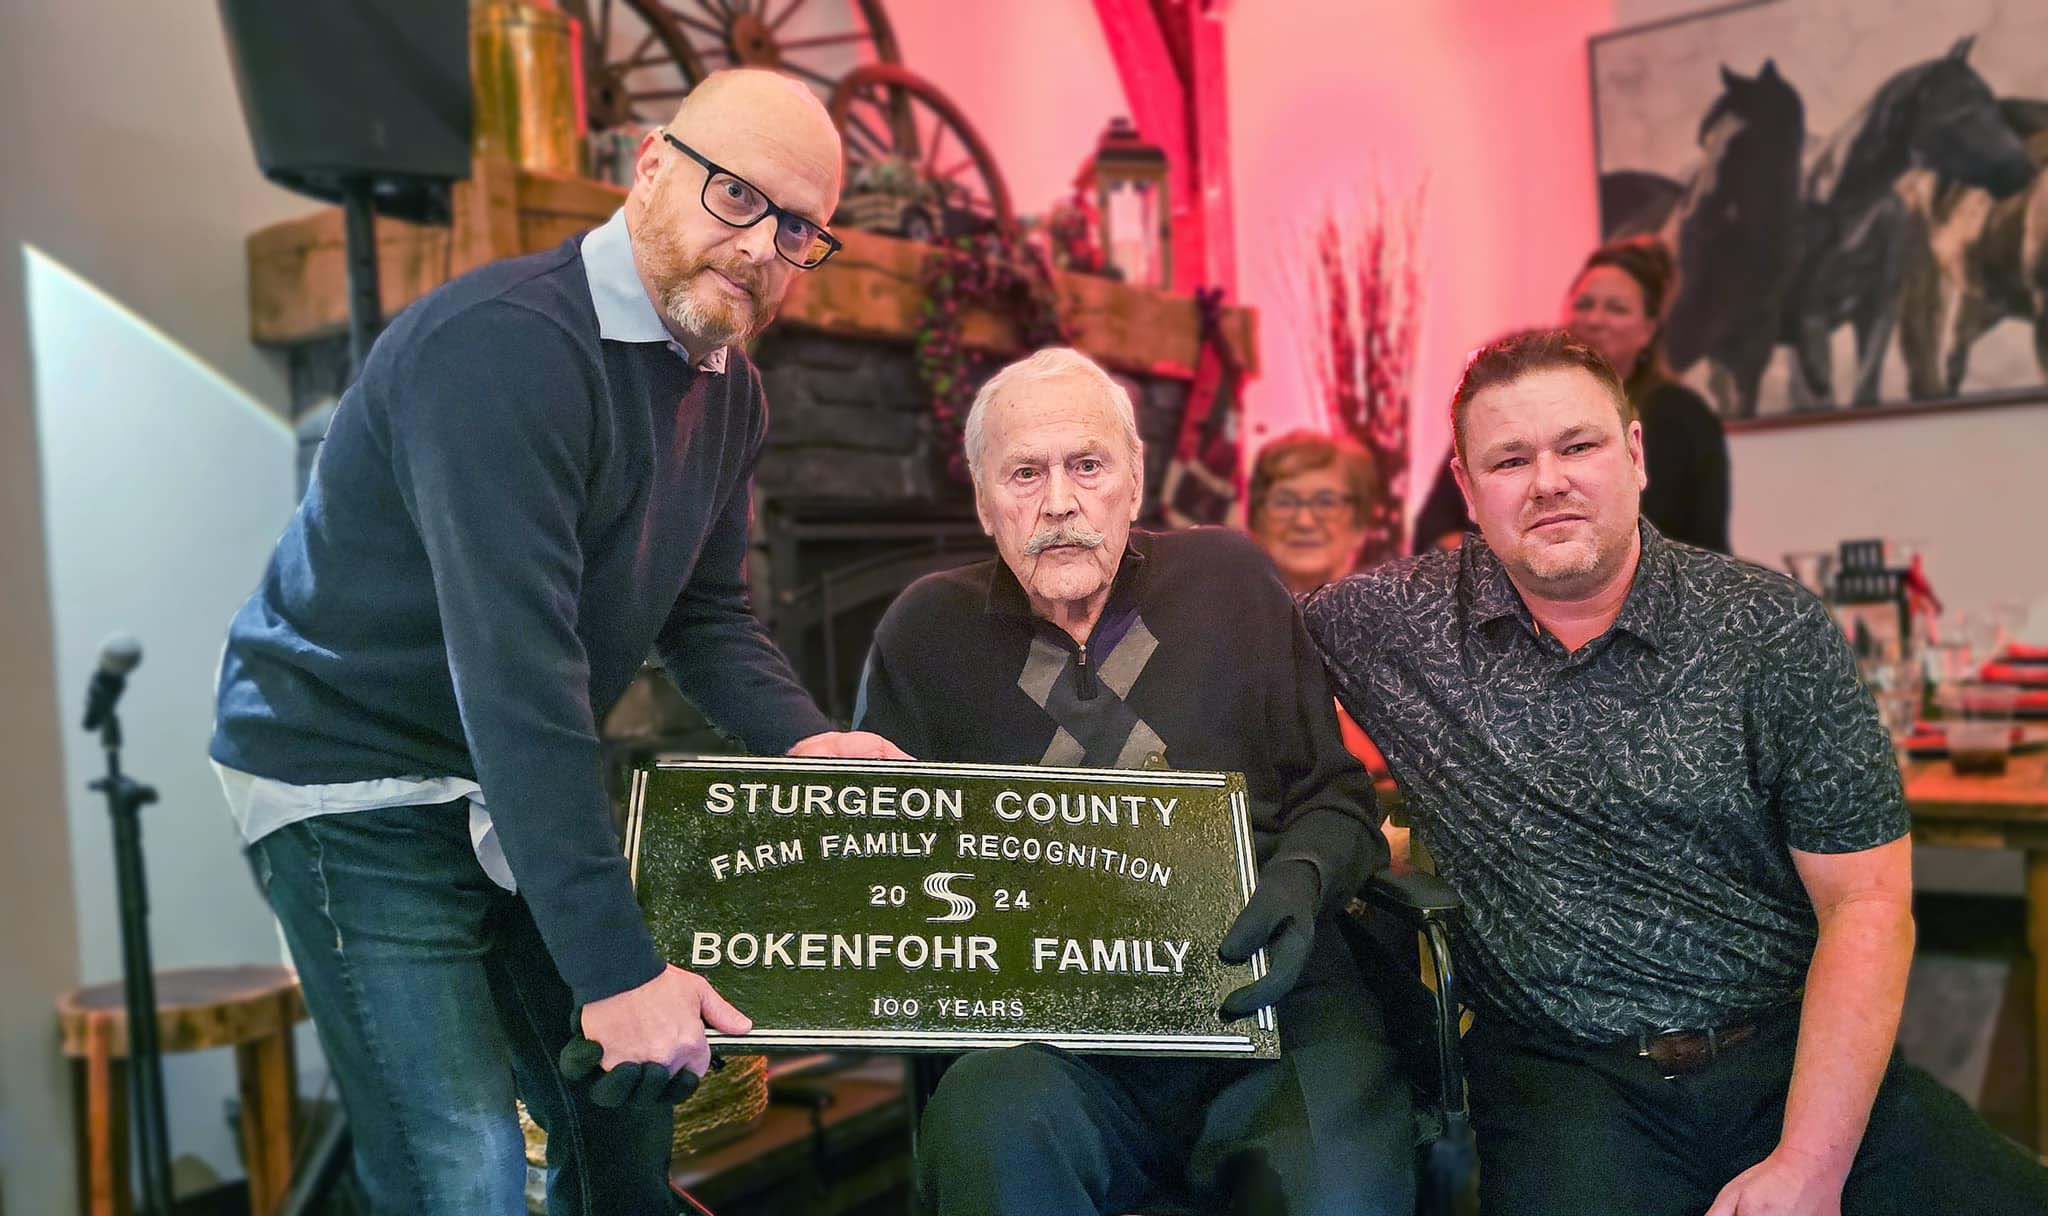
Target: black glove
{"x": 640, "y": 1083}
{"x": 1281, "y": 917}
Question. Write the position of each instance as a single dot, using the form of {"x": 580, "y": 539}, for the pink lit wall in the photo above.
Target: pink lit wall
{"x": 1485, "y": 99}
{"x": 1482, "y": 101}
{"x": 1036, "y": 80}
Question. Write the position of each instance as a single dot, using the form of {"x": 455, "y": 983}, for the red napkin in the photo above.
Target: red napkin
{"x": 2017, "y": 653}
{"x": 2013, "y": 673}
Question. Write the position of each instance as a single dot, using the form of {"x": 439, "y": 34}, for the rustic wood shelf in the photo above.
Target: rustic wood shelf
{"x": 298, "y": 277}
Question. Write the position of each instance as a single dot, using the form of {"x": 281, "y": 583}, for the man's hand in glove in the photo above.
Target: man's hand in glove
{"x": 638, "y": 1084}
{"x": 649, "y": 1041}
{"x": 1281, "y": 917}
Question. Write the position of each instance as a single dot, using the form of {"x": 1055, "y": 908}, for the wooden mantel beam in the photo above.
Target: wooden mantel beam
{"x": 298, "y": 290}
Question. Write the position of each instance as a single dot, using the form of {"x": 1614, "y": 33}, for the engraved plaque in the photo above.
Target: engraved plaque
{"x": 882, "y": 905}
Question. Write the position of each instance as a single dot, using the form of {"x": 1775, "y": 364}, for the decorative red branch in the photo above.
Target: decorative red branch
{"x": 1364, "y": 302}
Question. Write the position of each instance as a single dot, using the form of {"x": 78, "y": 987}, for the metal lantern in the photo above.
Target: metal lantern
{"x": 1133, "y": 209}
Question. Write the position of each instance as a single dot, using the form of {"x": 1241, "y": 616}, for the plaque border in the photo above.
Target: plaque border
{"x": 1223, "y": 1044}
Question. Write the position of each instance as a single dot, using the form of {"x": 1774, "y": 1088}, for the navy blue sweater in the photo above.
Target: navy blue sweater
{"x": 508, "y": 515}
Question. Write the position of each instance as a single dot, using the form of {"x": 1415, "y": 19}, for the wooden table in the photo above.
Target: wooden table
{"x": 2003, "y": 812}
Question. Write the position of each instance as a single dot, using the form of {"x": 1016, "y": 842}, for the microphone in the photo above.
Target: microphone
{"x": 119, "y": 655}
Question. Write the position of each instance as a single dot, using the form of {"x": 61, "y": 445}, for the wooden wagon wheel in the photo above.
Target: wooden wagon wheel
{"x": 886, "y": 113}
{"x": 642, "y": 56}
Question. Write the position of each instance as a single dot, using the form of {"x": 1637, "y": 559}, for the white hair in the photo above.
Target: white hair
{"x": 1052, "y": 363}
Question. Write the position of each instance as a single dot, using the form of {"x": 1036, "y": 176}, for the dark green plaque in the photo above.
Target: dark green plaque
{"x": 874, "y": 904}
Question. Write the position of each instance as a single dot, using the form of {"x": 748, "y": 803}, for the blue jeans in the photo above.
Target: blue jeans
{"x": 437, "y": 1004}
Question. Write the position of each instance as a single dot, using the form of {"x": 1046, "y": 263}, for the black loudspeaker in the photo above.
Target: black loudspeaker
{"x": 348, "y": 92}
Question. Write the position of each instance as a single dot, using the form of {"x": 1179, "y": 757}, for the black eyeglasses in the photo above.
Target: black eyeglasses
{"x": 733, "y": 200}
{"x": 1325, "y": 505}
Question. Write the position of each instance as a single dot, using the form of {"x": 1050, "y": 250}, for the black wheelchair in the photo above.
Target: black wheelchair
{"x": 1423, "y": 1023}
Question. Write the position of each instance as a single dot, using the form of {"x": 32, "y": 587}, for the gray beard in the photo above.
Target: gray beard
{"x": 712, "y": 326}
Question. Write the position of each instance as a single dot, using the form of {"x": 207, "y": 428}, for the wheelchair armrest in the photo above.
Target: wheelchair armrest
{"x": 1413, "y": 897}
{"x": 1425, "y": 1021}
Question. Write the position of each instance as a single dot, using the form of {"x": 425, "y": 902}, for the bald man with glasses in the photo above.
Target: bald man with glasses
{"x": 540, "y": 478}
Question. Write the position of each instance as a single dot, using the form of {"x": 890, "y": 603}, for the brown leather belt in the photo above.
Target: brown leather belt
{"x": 1682, "y": 1053}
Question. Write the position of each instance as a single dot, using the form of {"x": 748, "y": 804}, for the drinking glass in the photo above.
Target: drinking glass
{"x": 1896, "y": 687}
{"x": 1977, "y": 718}
{"x": 1815, "y": 571}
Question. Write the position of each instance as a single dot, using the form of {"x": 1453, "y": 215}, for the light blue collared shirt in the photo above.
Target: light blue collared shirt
{"x": 624, "y": 313}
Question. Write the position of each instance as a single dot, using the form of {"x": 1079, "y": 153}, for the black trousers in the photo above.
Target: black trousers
{"x": 1326, "y": 1130}
{"x": 1567, "y": 1129}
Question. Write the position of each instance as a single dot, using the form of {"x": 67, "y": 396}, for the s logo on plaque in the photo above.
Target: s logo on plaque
{"x": 908, "y": 906}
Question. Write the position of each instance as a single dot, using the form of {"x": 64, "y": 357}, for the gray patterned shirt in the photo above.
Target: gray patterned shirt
{"x": 1617, "y": 820}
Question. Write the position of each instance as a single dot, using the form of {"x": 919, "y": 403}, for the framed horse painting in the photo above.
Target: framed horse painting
{"x": 1853, "y": 193}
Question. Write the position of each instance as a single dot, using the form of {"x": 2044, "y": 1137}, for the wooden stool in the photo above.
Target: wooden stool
{"x": 251, "y": 1009}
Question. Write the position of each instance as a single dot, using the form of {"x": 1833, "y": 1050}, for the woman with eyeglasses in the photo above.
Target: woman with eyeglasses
{"x": 1310, "y": 495}
{"x": 1617, "y": 306}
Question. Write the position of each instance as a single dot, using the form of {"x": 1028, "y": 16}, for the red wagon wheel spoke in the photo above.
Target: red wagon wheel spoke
{"x": 920, "y": 131}
{"x": 787, "y": 13}
{"x": 691, "y": 37}
{"x": 702, "y": 26}
{"x": 797, "y": 44}
{"x": 931, "y": 151}
{"x": 856, "y": 130}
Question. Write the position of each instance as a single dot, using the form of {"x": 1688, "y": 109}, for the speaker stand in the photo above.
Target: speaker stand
{"x": 365, "y": 306}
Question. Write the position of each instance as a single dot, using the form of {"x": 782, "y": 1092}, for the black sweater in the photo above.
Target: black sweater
{"x": 1685, "y": 450}
{"x": 1231, "y": 683}
{"x": 508, "y": 514}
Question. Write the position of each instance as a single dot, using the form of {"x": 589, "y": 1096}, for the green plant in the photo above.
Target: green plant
{"x": 991, "y": 271}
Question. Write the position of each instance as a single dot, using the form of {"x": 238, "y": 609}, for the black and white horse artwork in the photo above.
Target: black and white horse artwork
{"x": 1938, "y": 115}
{"x": 1920, "y": 220}
{"x": 1733, "y": 225}
{"x": 1736, "y": 235}
{"x": 1978, "y": 260}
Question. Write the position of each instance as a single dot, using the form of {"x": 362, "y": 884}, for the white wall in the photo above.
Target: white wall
{"x": 164, "y": 486}
{"x": 126, "y": 161}
{"x": 1971, "y": 486}
{"x": 1035, "y": 80}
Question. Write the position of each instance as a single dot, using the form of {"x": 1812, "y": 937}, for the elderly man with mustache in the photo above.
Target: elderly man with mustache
{"x": 1091, "y": 643}
{"x": 540, "y": 477}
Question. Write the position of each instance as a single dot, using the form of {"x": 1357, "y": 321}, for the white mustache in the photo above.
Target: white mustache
{"x": 1073, "y": 534}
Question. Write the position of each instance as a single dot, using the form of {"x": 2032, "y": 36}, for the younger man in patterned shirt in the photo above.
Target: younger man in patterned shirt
{"x": 1653, "y": 777}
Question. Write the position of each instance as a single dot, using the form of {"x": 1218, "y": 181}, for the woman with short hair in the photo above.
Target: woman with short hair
{"x": 1311, "y": 495}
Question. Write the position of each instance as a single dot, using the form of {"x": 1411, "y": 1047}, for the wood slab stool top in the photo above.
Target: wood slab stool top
{"x": 251, "y": 1009}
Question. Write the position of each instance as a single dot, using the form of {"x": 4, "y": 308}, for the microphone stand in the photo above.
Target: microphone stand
{"x": 125, "y": 799}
